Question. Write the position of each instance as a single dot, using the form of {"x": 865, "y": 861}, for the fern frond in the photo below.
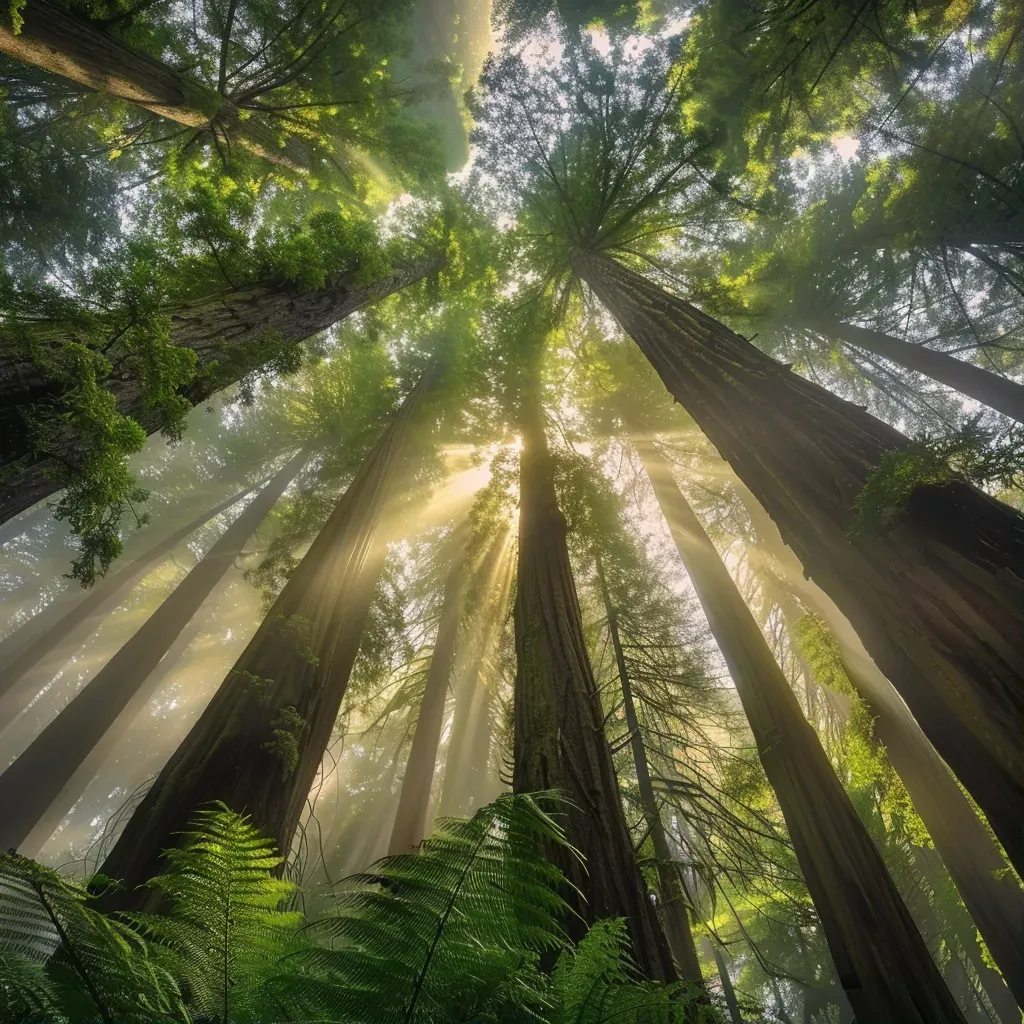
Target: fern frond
{"x": 448, "y": 933}
{"x": 93, "y": 967}
{"x": 224, "y": 932}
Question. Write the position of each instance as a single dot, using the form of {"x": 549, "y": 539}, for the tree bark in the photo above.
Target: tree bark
{"x": 991, "y": 894}
{"x": 711, "y": 949}
{"x": 938, "y": 600}
{"x": 674, "y": 907}
{"x": 56, "y": 40}
{"x": 260, "y": 742}
{"x": 224, "y": 329}
{"x": 882, "y": 961}
{"x": 60, "y": 629}
{"x": 559, "y": 741}
{"x": 42, "y": 773}
{"x": 984, "y": 386}
{"x": 414, "y": 797}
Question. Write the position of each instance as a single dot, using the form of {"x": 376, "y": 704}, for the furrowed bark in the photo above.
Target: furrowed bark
{"x": 990, "y": 892}
{"x": 559, "y": 740}
{"x": 882, "y": 961}
{"x": 674, "y": 907}
{"x": 938, "y": 600}
{"x": 218, "y": 328}
{"x": 999, "y": 393}
{"x": 56, "y": 40}
{"x": 60, "y": 629}
{"x": 43, "y": 773}
{"x": 414, "y": 798}
{"x": 260, "y": 742}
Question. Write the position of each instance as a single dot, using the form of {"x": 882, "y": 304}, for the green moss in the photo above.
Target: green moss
{"x": 286, "y": 727}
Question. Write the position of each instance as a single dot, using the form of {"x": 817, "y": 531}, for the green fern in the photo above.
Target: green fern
{"x": 224, "y": 932}
{"x": 61, "y": 960}
{"x": 596, "y": 983}
{"x": 452, "y": 932}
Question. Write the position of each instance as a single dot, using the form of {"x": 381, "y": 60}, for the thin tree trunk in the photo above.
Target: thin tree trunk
{"x": 938, "y": 600}
{"x": 984, "y": 386}
{"x": 674, "y": 910}
{"x": 38, "y": 777}
{"x": 60, "y": 630}
{"x": 414, "y": 797}
{"x": 990, "y": 892}
{"x": 559, "y": 740}
{"x": 56, "y": 40}
{"x": 879, "y": 954}
{"x": 228, "y": 329}
{"x": 471, "y": 718}
{"x": 79, "y": 782}
{"x": 728, "y": 992}
{"x": 259, "y": 743}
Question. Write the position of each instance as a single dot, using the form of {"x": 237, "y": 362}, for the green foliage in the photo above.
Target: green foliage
{"x": 62, "y": 961}
{"x": 225, "y": 934}
{"x": 285, "y": 728}
{"x": 973, "y": 452}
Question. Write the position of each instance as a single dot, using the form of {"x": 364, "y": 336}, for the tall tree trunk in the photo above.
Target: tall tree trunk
{"x": 414, "y": 798}
{"x": 674, "y": 909}
{"x": 56, "y": 40}
{"x": 712, "y": 950}
{"x": 228, "y": 329}
{"x": 259, "y": 743}
{"x": 471, "y": 720}
{"x": 58, "y": 629}
{"x": 43, "y": 772}
{"x": 937, "y": 600}
{"x": 559, "y": 739}
{"x": 879, "y": 954}
{"x": 92, "y": 763}
{"x": 991, "y": 893}
{"x": 999, "y": 393}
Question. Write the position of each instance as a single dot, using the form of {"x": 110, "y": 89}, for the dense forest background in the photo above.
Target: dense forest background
{"x": 512, "y": 514}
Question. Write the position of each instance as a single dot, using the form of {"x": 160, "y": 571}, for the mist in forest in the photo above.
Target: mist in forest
{"x": 512, "y": 511}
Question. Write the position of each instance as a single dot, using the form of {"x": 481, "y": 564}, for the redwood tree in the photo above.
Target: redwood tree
{"x": 882, "y": 961}
{"x": 258, "y": 745}
{"x": 559, "y": 740}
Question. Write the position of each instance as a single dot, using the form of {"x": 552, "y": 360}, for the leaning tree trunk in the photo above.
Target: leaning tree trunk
{"x": 712, "y": 950}
{"x": 673, "y": 899}
{"x": 44, "y": 772}
{"x": 990, "y": 892}
{"x": 259, "y": 743}
{"x": 410, "y": 825}
{"x": 938, "y": 600}
{"x": 559, "y": 741}
{"x": 54, "y": 39}
{"x": 984, "y": 386}
{"x": 879, "y": 954}
{"x": 59, "y": 630}
{"x": 229, "y": 333}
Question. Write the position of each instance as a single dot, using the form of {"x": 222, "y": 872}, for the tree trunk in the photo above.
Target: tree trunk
{"x": 984, "y": 386}
{"x": 58, "y": 631}
{"x": 674, "y": 909}
{"x": 990, "y": 892}
{"x": 414, "y": 798}
{"x": 938, "y": 600}
{"x": 56, "y": 40}
{"x": 260, "y": 742}
{"x": 43, "y": 772}
{"x": 559, "y": 740}
{"x": 712, "y": 950}
{"x": 96, "y": 759}
{"x": 471, "y": 720}
{"x": 879, "y": 954}
{"x": 228, "y": 329}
